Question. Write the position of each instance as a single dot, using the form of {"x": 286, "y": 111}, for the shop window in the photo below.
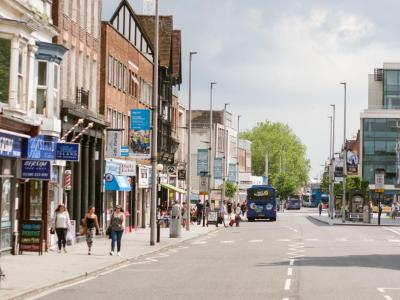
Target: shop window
{"x": 41, "y": 91}
{"x": 5, "y": 57}
{"x": 36, "y": 196}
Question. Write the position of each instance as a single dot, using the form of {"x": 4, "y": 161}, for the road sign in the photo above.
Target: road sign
{"x": 379, "y": 179}
{"x": 203, "y": 186}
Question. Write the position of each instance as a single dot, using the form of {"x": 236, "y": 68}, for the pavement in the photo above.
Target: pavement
{"x": 30, "y": 274}
{"x": 385, "y": 220}
{"x": 295, "y": 257}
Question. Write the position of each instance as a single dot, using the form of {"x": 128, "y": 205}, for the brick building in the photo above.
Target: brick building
{"x": 126, "y": 83}
{"x": 79, "y": 24}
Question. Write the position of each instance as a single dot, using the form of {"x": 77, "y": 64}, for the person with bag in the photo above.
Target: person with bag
{"x": 90, "y": 227}
{"x": 238, "y": 211}
{"x": 117, "y": 227}
{"x": 61, "y": 225}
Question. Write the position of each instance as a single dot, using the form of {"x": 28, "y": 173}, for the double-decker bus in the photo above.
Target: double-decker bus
{"x": 261, "y": 203}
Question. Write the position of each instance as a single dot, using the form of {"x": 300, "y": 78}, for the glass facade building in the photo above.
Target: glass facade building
{"x": 380, "y": 136}
{"x": 391, "y": 89}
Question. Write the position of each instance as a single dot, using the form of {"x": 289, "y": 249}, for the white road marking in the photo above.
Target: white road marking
{"x": 381, "y": 290}
{"x": 287, "y": 284}
{"x": 291, "y": 262}
{"x": 311, "y": 240}
{"x": 284, "y": 240}
{"x": 396, "y": 231}
{"x": 290, "y": 272}
{"x": 199, "y": 243}
{"x": 342, "y": 240}
{"x": 387, "y": 297}
{"x": 226, "y": 242}
{"x": 255, "y": 241}
{"x": 394, "y": 241}
{"x": 285, "y": 298}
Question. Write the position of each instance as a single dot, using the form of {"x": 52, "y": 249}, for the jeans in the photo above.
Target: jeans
{"x": 116, "y": 236}
{"x": 61, "y": 236}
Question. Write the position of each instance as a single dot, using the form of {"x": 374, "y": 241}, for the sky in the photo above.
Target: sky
{"x": 283, "y": 60}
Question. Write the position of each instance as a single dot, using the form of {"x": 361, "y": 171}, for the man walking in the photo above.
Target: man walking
{"x": 199, "y": 213}
{"x": 320, "y": 208}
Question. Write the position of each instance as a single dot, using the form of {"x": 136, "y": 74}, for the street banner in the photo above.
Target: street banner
{"x": 379, "y": 179}
{"x": 144, "y": 174}
{"x": 36, "y": 169}
{"x": 202, "y": 161}
{"x": 338, "y": 164}
{"x": 352, "y": 162}
{"x": 232, "y": 173}
{"x": 68, "y": 151}
{"x": 218, "y": 167}
{"x": 140, "y": 134}
{"x": 114, "y": 138}
{"x": 124, "y": 151}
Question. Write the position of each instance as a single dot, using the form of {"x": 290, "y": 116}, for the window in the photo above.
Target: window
{"x": 56, "y": 89}
{"x": 89, "y": 16}
{"x": 72, "y": 77}
{"x": 74, "y": 9}
{"x": 144, "y": 45}
{"x": 114, "y": 119}
{"x": 95, "y": 18}
{"x": 88, "y": 69}
{"x": 121, "y": 21}
{"x": 119, "y": 76}
{"x": 115, "y": 72}
{"x": 391, "y": 89}
{"x": 66, "y": 7}
{"x": 20, "y": 88}
{"x": 94, "y": 87}
{"x": 41, "y": 91}
{"x": 109, "y": 115}
{"x": 110, "y": 69}
{"x": 80, "y": 70}
{"x": 132, "y": 32}
{"x": 125, "y": 77}
{"x": 82, "y": 10}
{"x": 138, "y": 38}
{"x": 123, "y": 127}
{"x": 5, "y": 58}
{"x": 126, "y": 23}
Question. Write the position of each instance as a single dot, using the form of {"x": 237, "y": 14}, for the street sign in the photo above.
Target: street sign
{"x": 203, "y": 186}
{"x": 379, "y": 179}
{"x": 379, "y": 190}
{"x": 124, "y": 151}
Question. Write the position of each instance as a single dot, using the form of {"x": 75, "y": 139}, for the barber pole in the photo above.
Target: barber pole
{"x": 67, "y": 185}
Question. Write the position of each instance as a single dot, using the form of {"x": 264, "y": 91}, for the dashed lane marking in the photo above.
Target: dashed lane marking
{"x": 255, "y": 241}
{"x": 287, "y": 284}
{"x": 290, "y": 272}
{"x": 387, "y": 297}
{"x": 394, "y": 230}
{"x": 394, "y": 241}
{"x": 291, "y": 262}
{"x": 284, "y": 240}
{"x": 226, "y": 242}
{"x": 199, "y": 243}
{"x": 342, "y": 240}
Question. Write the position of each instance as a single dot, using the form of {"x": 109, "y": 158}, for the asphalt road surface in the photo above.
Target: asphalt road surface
{"x": 292, "y": 258}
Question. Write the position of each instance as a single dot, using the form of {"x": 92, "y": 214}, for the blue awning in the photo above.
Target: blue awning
{"x": 117, "y": 183}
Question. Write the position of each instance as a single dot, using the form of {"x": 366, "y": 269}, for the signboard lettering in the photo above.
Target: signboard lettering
{"x": 10, "y": 145}
{"x": 36, "y": 169}
{"x": 68, "y": 151}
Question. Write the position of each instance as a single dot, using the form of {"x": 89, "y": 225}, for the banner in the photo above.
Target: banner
{"x": 352, "y": 162}
{"x": 232, "y": 173}
{"x": 140, "y": 134}
{"x": 202, "y": 161}
{"x": 218, "y": 167}
{"x": 114, "y": 138}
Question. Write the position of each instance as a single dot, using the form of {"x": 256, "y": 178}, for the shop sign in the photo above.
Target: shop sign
{"x": 36, "y": 169}
{"x": 41, "y": 147}
{"x": 128, "y": 168}
{"x": 202, "y": 161}
{"x": 10, "y": 145}
{"x": 68, "y": 151}
{"x": 112, "y": 168}
{"x": 144, "y": 177}
{"x": 114, "y": 138}
{"x": 140, "y": 134}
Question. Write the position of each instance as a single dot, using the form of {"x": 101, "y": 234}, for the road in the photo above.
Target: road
{"x": 293, "y": 258}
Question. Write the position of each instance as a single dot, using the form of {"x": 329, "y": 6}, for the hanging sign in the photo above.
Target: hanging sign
{"x": 218, "y": 167}
{"x": 232, "y": 173}
{"x": 140, "y": 134}
{"x": 128, "y": 168}
{"x": 41, "y": 147}
{"x": 114, "y": 138}
{"x": 202, "y": 161}
{"x": 68, "y": 151}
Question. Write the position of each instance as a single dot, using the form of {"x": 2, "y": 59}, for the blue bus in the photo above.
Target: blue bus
{"x": 293, "y": 202}
{"x": 261, "y": 203}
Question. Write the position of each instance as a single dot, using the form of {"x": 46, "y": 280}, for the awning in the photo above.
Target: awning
{"x": 117, "y": 183}
{"x": 174, "y": 188}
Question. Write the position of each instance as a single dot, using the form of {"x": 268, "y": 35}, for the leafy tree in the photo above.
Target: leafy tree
{"x": 230, "y": 189}
{"x": 287, "y": 162}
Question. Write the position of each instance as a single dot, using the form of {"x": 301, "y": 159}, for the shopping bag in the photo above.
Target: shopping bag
{"x": 69, "y": 238}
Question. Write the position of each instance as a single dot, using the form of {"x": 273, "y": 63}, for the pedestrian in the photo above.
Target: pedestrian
{"x": 243, "y": 208}
{"x": 184, "y": 210}
{"x": 62, "y": 223}
{"x": 208, "y": 210}
{"x": 393, "y": 211}
{"x": 229, "y": 207}
{"x": 199, "y": 212}
{"x": 91, "y": 226}
{"x": 237, "y": 215}
{"x": 222, "y": 213}
{"x": 320, "y": 208}
{"x": 117, "y": 226}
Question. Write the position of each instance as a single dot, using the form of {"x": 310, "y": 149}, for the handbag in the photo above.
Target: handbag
{"x": 52, "y": 231}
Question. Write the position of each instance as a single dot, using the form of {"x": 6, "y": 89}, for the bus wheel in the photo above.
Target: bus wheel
{"x": 251, "y": 219}
{"x": 273, "y": 219}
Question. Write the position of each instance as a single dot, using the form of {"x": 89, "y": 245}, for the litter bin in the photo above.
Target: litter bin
{"x": 175, "y": 228}
{"x": 366, "y": 214}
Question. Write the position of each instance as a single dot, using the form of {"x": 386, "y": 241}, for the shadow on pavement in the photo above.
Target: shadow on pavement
{"x": 377, "y": 261}
{"x": 316, "y": 222}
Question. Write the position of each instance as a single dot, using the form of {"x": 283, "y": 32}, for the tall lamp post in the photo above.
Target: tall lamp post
{"x": 189, "y": 160}
{"x": 330, "y": 168}
{"x": 153, "y": 205}
{"x": 225, "y": 157}
{"x": 237, "y": 159}
{"x": 209, "y": 150}
{"x": 333, "y": 159}
{"x": 344, "y": 153}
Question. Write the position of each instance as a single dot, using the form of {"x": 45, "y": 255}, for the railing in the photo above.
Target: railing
{"x": 82, "y": 97}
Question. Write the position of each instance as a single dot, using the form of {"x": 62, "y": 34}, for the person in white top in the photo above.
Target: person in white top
{"x": 62, "y": 223}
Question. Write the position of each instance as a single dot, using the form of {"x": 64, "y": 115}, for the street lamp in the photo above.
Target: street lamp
{"x": 188, "y": 170}
{"x": 332, "y": 159}
{"x": 344, "y": 153}
{"x": 153, "y": 205}
{"x": 225, "y": 158}
{"x": 330, "y": 167}
{"x": 210, "y": 148}
{"x": 237, "y": 159}
{"x": 160, "y": 168}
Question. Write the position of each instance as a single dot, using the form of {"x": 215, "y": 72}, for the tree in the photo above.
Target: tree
{"x": 288, "y": 165}
{"x": 230, "y": 189}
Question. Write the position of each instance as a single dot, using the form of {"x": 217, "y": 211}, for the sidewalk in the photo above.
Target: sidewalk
{"x": 385, "y": 221}
{"x": 30, "y": 273}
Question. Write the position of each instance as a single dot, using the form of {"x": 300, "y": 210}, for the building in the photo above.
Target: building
{"x": 199, "y": 145}
{"x": 244, "y": 169}
{"x": 79, "y": 25}
{"x": 126, "y": 83}
{"x": 29, "y": 116}
{"x": 380, "y": 130}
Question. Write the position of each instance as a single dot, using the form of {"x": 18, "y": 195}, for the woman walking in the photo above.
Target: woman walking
{"x": 117, "y": 226}
{"x": 61, "y": 224}
{"x": 91, "y": 227}
{"x": 238, "y": 211}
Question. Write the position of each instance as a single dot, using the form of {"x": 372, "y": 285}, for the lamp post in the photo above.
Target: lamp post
{"x": 210, "y": 150}
{"x": 237, "y": 159}
{"x": 332, "y": 209}
{"x": 189, "y": 161}
{"x": 344, "y": 153}
{"x": 153, "y": 205}
{"x": 225, "y": 157}
{"x": 160, "y": 168}
{"x": 330, "y": 168}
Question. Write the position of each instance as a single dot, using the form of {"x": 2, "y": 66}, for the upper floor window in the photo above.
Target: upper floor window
{"x": 56, "y": 89}
{"x": 5, "y": 58}
{"x": 82, "y": 8}
{"x": 41, "y": 90}
{"x": 89, "y": 16}
{"x": 66, "y": 7}
{"x": 391, "y": 89}
{"x": 110, "y": 69}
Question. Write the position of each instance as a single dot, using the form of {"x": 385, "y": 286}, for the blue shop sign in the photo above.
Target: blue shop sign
{"x": 41, "y": 147}
{"x": 68, "y": 151}
{"x": 10, "y": 145}
{"x": 140, "y": 119}
{"x": 36, "y": 169}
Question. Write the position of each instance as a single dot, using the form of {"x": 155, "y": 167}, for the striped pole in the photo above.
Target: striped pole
{"x": 90, "y": 125}
{"x": 80, "y": 121}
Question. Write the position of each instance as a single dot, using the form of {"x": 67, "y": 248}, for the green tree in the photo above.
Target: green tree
{"x": 287, "y": 161}
{"x": 230, "y": 189}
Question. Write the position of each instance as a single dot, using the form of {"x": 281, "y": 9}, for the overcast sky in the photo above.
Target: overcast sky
{"x": 282, "y": 60}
